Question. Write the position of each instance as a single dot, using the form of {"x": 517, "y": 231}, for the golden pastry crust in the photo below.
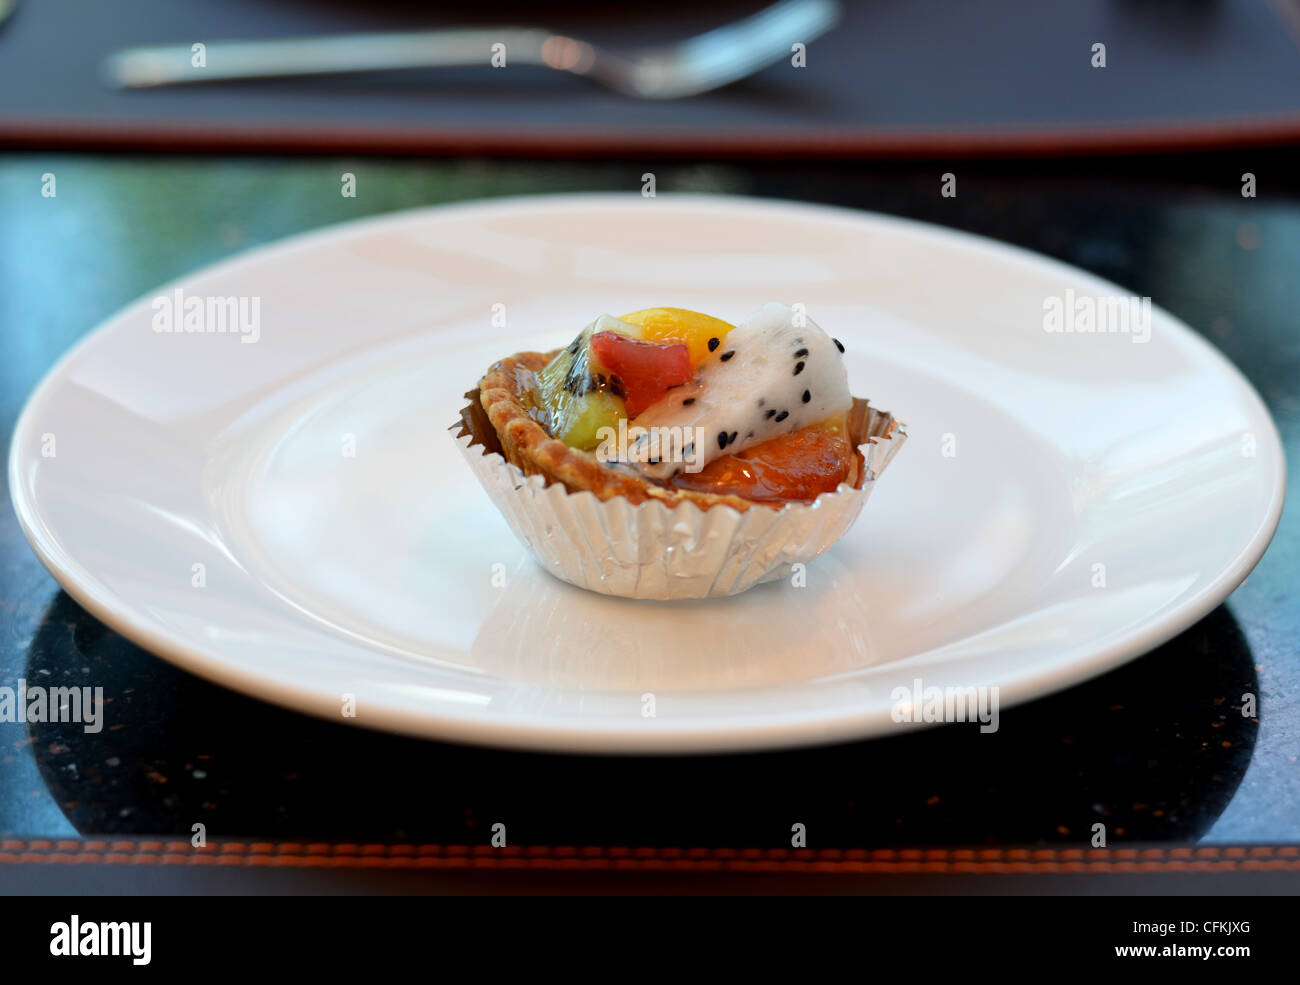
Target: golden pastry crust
{"x": 525, "y": 443}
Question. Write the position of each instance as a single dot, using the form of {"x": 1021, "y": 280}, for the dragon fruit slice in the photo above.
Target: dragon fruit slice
{"x": 774, "y": 373}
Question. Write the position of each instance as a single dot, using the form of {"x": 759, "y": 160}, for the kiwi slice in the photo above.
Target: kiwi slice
{"x": 576, "y": 401}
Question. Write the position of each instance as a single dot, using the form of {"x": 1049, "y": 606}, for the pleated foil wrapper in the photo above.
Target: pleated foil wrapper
{"x": 653, "y": 551}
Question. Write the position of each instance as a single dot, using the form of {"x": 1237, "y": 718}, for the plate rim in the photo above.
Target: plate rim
{"x": 807, "y": 729}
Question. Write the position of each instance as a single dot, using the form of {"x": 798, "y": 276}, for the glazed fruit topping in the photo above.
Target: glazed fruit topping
{"x": 796, "y": 466}
{"x": 643, "y": 371}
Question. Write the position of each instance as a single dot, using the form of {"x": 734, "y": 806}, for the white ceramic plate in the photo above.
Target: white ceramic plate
{"x": 1065, "y": 502}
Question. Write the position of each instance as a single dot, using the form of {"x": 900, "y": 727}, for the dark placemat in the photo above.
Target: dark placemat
{"x": 895, "y": 76}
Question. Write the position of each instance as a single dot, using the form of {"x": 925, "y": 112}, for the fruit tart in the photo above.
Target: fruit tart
{"x": 669, "y": 454}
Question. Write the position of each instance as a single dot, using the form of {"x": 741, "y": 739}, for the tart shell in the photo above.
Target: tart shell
{"x": 604, "y": 527}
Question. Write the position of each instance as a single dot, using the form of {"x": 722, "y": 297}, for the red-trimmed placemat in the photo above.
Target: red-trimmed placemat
{"x": 896, "y": 77}
{"x": 993, "y": 861}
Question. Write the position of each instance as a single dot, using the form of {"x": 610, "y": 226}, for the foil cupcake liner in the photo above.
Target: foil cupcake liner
{"x": 654, "y": 551}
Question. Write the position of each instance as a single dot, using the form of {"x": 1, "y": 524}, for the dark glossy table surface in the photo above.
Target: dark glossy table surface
{"x": 1156, "y": 750}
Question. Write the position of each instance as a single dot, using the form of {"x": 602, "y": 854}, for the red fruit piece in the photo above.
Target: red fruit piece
{"x": 645, "y": 370}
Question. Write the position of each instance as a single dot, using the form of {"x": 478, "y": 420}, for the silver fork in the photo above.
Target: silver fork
{"x": 706, "y": 61}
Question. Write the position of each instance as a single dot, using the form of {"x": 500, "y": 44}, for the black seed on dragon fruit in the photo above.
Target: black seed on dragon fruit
{"x": 801, "y": 354}
{"x": 807, "y": 396}
{"x": 727, "y": 355}
{"x": 798, "y": 368}
{"x": 782, "y": 416}
{"x": 714, "y": 343}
